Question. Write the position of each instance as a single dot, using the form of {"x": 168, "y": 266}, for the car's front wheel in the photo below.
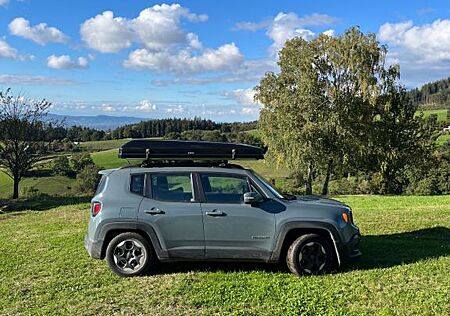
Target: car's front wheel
{"x": 310, "y": 254}
{"x": 129, "y": 254}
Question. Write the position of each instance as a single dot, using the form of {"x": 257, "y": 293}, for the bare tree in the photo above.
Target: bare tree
{"x": 21, "y": 134}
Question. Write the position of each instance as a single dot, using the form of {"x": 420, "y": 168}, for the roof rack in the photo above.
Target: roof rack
{"x": 177, "y": 150}
{"x": 184, "y": 163}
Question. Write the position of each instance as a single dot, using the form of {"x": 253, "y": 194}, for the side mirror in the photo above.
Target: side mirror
{"x": 252, "y": 198}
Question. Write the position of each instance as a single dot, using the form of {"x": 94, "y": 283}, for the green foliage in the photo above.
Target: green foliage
{"x": 336, "y": 109}
{"x": 403, "y": 270}
{"x": 80, "y": 161}
{"x": 61, "y": 166}
{"x": 87, "y": 179}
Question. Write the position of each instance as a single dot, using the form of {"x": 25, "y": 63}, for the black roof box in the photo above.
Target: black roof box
{"x": 150, "y": 149}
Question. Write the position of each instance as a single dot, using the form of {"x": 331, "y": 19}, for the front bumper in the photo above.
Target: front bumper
{"x": 350, "y": 250}
{"x": 94, "y": 248}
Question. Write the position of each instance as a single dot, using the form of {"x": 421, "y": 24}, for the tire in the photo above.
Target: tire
{"x": 129, "y": 254}
{"x": 310, "y": 254}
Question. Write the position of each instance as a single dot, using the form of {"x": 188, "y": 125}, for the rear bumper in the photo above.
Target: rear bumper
{"x": 94, "y": 248}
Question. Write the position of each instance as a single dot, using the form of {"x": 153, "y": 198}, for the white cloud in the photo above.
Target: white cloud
{"x": 225, "y": 57}
{"x": 7, "y": 51}
{"x": 108, "y": 108}
{"x": 40, "y": 33}
{"x": 106, "y": 34}
{"x": 155, "y": 28}
{"x": 34, "y": 80}
{"x": 423, "y": 51}
{"x": 428, "y": 43}
{"x": 4, "y": 2}
{"x": 175, "y": 109}
{"x": 252, "y": 26}
{"x": 286, "y": 26}
{"x": 146, "y": 106}
{"x": 194, "y": 41}
{"x": 250, "y": 110}
{"x": 242, "y": 96}
{"x": 66, "y": 62}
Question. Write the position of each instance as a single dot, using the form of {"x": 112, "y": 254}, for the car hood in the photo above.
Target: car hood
{"x": 315, "y": 200}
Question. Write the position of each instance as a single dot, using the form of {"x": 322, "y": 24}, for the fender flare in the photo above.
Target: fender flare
{"x": 324, "y": 226}
{"x": 129, "y": 225}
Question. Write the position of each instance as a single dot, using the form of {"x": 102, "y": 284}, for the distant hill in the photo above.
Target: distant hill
{"x": 100, "y": 122}
{"x": 433, "y": 95}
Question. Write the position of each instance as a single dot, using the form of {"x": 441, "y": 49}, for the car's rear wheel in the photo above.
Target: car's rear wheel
{"x": 310, "y": 254}
{"x": 129, "y": 254}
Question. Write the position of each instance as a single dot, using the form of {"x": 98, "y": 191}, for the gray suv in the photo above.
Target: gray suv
{"x": 219, "y": 212}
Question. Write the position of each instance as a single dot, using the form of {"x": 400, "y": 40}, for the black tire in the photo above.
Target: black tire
{"x": 310, "y": 254}
{"x": 129, "y": 254}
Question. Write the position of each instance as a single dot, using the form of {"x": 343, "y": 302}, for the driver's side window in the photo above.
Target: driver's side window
{"x": 228, "y": 189}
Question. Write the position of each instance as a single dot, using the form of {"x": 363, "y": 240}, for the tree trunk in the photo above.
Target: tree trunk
{"x": 309, "y": 180}
{"x": 327, "y": 177}
{"x": 16, "y": 181}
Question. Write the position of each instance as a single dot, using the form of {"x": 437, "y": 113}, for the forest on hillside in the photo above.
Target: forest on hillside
{"x": 432, "y": 95}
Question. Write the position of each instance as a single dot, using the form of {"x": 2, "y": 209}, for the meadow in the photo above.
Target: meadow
{"x": 45, "y": 270}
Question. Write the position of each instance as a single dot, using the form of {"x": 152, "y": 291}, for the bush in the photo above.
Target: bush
{"x": 87, "y": 180}
{"x": 61, "y": 166}
{"x": 81, "y": 161}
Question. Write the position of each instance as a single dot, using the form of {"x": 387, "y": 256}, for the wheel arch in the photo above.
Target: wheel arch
{"x": 109, "y": 231}
{"x": 292, "y": 231}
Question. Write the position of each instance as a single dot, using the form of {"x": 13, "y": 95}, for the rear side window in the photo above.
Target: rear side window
{"x": 101, "y": 185}
{"x": 137, "y": 184}
{"x": 224, "y": 188}
{"x": 172, "y": 187}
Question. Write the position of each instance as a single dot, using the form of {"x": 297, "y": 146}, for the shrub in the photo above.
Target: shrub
{"x": 87, "y": 180}
{"x": 61, "y": 166}
{"x": 81, "y": 161}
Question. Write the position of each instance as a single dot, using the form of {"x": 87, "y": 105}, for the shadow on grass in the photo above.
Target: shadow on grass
{"x": 379, "y": 251}
{"x": 384, "y": 251}
{"x": 40, "y": 203}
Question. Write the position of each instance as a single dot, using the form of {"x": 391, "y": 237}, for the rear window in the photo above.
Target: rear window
{"x": 137, "y": 184}
{"x": 172, "y": 187}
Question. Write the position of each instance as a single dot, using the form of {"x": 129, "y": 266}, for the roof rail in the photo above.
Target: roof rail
{"x": 184, "y": 163}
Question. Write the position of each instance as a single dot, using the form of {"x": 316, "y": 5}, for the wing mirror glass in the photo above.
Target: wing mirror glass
{"x": 252, "y": 198}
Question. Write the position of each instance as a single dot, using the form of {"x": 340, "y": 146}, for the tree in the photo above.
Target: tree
{"x": 21, "y": 127}
{"x": 61, "y": 166}
{"x": 400, "y": 138}
{"x": 316, "y": 110}
{"x": 81, "y": 161}
{"x": 88, "y": 179}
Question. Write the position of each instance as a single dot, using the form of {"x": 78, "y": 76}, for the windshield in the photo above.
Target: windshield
{"x": 268, "y": 186}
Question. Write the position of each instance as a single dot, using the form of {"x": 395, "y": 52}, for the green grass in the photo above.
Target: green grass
{"x": 103, "y": 144}
{"x": 442, "y": 139}
{"x": 43, "y": 182}
{"x": 441, "y": 114}
{"x": 44, "y": 270}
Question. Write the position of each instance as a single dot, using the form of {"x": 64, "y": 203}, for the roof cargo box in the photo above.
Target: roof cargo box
{"x": 191, "y": 150}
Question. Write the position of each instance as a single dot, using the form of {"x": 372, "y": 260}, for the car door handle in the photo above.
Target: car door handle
{"x": 215, "y": 213}
{"x": 154, "y": 211}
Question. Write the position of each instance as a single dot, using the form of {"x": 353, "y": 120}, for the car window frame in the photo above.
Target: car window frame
{"x": 221, "y": 174}
{"x": 149, "y": 187}
{"x": 131, "y": 182}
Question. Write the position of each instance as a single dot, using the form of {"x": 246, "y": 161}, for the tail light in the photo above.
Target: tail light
{"x": 96, "y": 208}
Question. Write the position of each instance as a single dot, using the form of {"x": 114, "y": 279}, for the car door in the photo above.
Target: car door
{"x": 173, "y": 210}
{"x": 233, "y": 229}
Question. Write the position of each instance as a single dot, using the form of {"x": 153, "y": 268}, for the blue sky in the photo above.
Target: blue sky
{"x": 192, "y": 58}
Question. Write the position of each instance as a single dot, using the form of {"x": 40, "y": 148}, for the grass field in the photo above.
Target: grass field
{"x": 440, "y": 113}
{"x": 43, "y": 182}
{"x": 405, "y": 268}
